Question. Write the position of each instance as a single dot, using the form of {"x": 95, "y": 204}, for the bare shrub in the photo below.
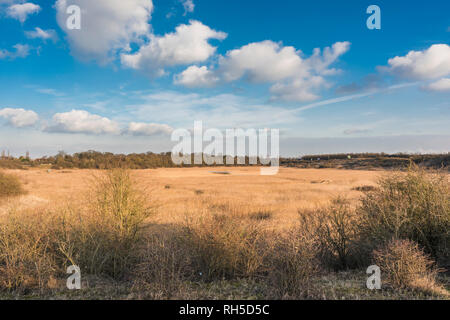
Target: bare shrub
{"x": 225, "y": 247}
{"x": 334, "y": 229}
{"x": 405, "y": 265}
{"x": 10, "y": 185}
{"x": 106, "y": 238}
{"x": 164, "y": 263}
{"x": 414, "y": 206}
{"x": 102, "y": 240}
{"x": 26, "y": 257}
{"x": 293, "y": 264}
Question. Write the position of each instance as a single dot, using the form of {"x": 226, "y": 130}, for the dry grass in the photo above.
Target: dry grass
{"x": 102, "y": 237}
{"x": 243, "y": 190}
{"x": 208, "y": 233}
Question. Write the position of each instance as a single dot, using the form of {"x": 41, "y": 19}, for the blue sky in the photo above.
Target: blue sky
{"x": 138, "y": 69}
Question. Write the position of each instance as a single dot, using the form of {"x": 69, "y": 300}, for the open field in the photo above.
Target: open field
{"x": 248, "y": 223}
{"x": 177, "y": 193}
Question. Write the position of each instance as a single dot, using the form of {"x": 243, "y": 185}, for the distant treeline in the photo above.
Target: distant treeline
{"x": 370, "y": 161}
{"x": 149, "y": 160}
{"x": 106, "y": 160}
{"x": 373, "y": 156}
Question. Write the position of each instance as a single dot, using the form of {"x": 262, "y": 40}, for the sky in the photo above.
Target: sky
{"x": 136, "y": 70}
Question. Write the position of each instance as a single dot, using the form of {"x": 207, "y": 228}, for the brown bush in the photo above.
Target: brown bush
{"x": 26, "y": 256}
{"x": 10, "y": 185}
{"x": 414, "y": 206}
{"x": 334, "y": 229}
{"x": 224, "y": 247}
{"x": 102, "y": 240}
{"x": 405, "y": 265}
{"x": 165, "y": 262}
{"x": 292, "y": 264}
{"x": 105, "y": 239}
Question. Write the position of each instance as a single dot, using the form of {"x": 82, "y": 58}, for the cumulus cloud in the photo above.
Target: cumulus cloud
{"x": 188, "y": 6}
{"x": 320, "y": 61}
{"x": 39, "y": 33}
{"x": 149, "y": 129}
{"x": 22, "y": 11}
{"x": 196, "y": 77}
{"x": 431, "y": 63}
{"x": 440, "y": 85}
{"x": 261, "y": 62}
{"x": 21, "y": 51}
{"x": 293, "y": 77}
{"x": 19, "y": 118}
{"x": 107, "y": 26}
{"x": 81, "y": 121}
{"x": 188, "y": 44}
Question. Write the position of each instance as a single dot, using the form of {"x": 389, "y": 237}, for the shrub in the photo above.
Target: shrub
{"x": 10, "y": 185}
{"x": 106, "y": 239}
{"x": 164, "y": 263}
{"x": 335, "y": 232}
{"x": 405, "y": 265}
{"x": 293, "y": 264}
{"x": 224, "y": 247}
{"x": 26, "y": 259}
{"x": 414, "y": 206}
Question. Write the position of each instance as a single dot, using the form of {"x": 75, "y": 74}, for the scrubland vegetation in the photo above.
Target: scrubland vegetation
{"x": 107, "y": 160}
{"x": 128, "y": 248}
{"x": 10, "y": 186}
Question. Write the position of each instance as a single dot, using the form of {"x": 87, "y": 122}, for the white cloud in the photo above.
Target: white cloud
{"x": 440, "y": 85}
{"x": 187, "y": 45}
{"x": 431, "y": 63}
{"x": 19, "y": 117}
{"x": 196, "y": 77}
{"x": 22, "y": 11}
{"x": 293, "y": 77}
{"x": 81, "y": 121}
{"x": 22, "y": 51}
{"x": 188, "y": 6}
{"x": 261, "y": 62}
{"x": 39, "y": 33}
{"x": 300, "y": 89}
{"x": 320, "y": 61}
{"x": 107, "y": 26}
{"x": 149, "y": 129}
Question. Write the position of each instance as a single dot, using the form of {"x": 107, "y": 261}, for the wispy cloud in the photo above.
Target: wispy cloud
{"x": 352, "y": 97}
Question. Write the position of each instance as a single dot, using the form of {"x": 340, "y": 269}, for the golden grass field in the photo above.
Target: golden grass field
{"x": 178, "y": 193}
{"x": 211, "y": 235}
